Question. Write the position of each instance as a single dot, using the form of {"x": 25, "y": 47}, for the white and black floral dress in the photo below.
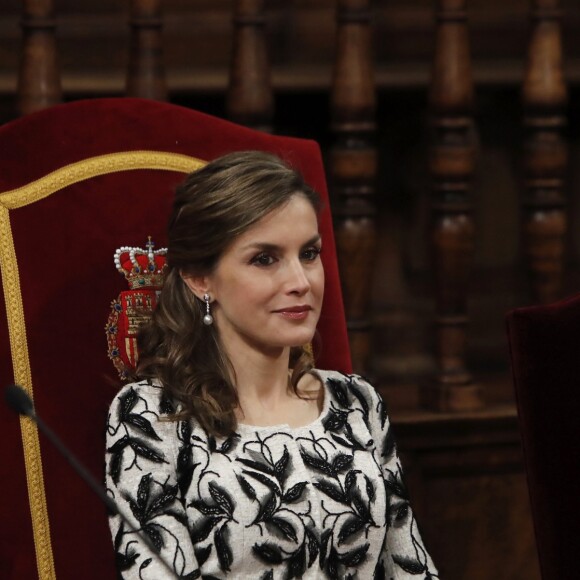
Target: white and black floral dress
{"x": 322, "y": 501}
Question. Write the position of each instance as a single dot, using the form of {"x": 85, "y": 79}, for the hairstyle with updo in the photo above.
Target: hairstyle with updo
{"x": 212, "y": 207}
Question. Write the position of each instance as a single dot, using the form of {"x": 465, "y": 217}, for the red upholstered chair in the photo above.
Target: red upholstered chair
{"x": 77, "y": 181}
{"x": 545, "y": 355}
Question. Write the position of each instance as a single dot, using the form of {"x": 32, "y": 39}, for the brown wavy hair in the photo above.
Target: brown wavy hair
{"x": 212, "y": 207}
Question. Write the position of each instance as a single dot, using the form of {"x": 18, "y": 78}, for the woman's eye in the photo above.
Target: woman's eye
{"x": 310, "y": 254}
{"x": 263, "y": 260}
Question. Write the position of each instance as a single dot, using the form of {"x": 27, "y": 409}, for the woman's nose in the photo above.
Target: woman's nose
{"x": 298, "y": 281}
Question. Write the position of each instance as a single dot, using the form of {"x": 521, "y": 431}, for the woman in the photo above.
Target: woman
{"x": 231, "y": 453}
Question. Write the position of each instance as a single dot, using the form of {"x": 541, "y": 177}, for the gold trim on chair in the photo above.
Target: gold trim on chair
{"x": 22, "y": 377}
{"x": 94, "y": 166}
{"x": 13, "y": 199}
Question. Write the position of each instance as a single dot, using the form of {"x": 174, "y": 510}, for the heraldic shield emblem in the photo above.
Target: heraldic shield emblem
{"x": 143, "y": 269}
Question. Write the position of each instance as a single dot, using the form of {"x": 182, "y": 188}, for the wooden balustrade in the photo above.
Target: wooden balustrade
{"x": 39, "y": 74}
{"x": 353, "y": 168}
{"x": 452, "y": 161}
{"x": 445, "y": 458}
{"x": 545, "y": 153}
{"x": 352, "y": 160}
{"x": 249, "y": 99}
{"x": 146, "y": 71}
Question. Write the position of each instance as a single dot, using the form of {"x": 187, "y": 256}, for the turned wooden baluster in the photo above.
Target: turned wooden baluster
{"x": 452, "y": 160}
{"x": 39, "y": 76}
{"x": 353, "y": 169}
{"x": 545, "y": 153}
{"x": 146, "y": 72}
{"x": 249, "y": 99}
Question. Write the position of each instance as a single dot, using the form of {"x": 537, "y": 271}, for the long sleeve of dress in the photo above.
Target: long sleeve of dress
{"x": 404, "y": 554}
{"x": 142, "y": 476}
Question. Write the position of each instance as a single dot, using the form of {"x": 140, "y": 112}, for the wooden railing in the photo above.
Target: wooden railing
{"x": 353, "y": 168}
{"x": 250, "y": 100}
{"x": 452, "y": 163}
{"x": 353, "y": 156}
{"x": 39, "y": 74}
{"x": 544, "y": 98}
{"x": 146, "y": 70}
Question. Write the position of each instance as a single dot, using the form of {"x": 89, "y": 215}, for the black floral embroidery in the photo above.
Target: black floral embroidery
{"x": 350, "y": 512}
{"x": 277, "y": 505}
{"x": 154, "y": 505}
{"x": 324, "y": 500}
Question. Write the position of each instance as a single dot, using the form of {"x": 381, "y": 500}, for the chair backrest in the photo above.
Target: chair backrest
{"x": 77, "y": 181}
{"x": 545, "y": 356}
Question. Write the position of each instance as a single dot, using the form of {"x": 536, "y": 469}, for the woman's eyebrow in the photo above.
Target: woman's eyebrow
{"x": 315, "y": 239}
{"x": 265, "y": 246}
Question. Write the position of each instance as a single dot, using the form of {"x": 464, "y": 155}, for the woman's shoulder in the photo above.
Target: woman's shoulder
{"x": 140, "y": 418}
{"x": 351, "y": 395}
{"x": 143, "y": 394}
{"x": 349, "y": 389}
{"x": 348, "y": 380}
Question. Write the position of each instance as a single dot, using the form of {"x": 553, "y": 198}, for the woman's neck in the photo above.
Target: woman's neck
{"x": 258, "y": 374}
{"x": 262, "y": 380}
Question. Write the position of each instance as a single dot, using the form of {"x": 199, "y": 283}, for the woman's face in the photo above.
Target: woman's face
{"x": 267, "y": 288}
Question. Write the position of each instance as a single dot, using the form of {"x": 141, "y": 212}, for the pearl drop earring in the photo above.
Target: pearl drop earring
{"x": 208, "y": 318}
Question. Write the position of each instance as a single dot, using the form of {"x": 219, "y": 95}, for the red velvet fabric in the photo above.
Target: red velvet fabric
{"x": 65, "y": 245}
{"x": 545, "y": 348}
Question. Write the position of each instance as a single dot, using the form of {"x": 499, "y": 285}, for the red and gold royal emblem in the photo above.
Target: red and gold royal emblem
{"x": 143, "y": 269}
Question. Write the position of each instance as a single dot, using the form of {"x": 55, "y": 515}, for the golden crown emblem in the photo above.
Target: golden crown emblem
{"x": 142, "y": 267}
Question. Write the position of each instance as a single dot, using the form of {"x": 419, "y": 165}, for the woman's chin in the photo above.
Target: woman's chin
{"x": 304, "y": 339}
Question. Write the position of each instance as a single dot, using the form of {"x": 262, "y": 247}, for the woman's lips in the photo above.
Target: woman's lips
{"x": 295, "y": 312}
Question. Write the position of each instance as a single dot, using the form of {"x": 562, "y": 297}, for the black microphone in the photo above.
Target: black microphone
{"x": 19, "y": 400}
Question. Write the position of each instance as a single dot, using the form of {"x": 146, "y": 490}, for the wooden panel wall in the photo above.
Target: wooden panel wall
{"x": 467, "y": 487}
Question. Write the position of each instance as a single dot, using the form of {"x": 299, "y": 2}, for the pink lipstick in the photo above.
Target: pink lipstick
{"x": 295, "y": 312}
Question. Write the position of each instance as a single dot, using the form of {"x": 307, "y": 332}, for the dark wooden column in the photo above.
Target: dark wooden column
{"x": 39, "y": 76}
{"x": 146, "y": 72}
{"x": 545, "y": 153}
{"x": 250, "y": 100}
{"x": 452, "y": 160}
{"x": 353, "y": 168}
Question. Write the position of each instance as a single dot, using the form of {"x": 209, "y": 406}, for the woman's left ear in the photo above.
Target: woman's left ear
{"x": 197, "y": 284}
